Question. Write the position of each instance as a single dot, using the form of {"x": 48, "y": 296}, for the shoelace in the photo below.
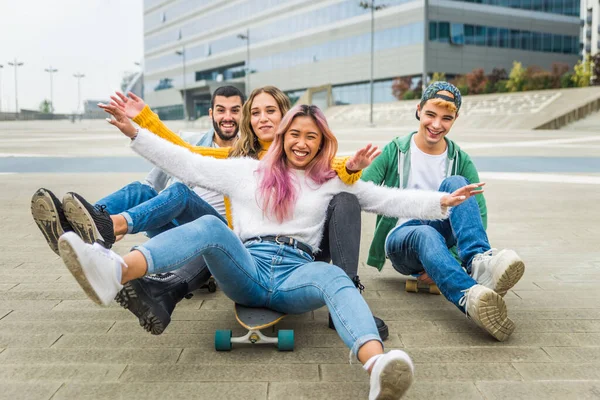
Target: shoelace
{"x": 489, "y": 253}
{"x": 464, "y": 300}
{"x": 102, "y": 209}
{"x": 111, "y": 255}
{"x": 359, "y": 286}
{"x": 161, "y": 277}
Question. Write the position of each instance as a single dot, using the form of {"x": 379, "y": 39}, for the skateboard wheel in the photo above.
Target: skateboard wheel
{"x": 433, "y": 289}
{"x": 223, "y": 340}
{"x": 285, "y": 340}
{"x": 212, "y": 286}
{"x": 411, "y": 286}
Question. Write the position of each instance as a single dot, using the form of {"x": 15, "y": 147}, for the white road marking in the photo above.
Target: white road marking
{"x": 546, "y": 178}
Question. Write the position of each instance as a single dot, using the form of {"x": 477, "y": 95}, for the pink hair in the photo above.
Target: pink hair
{"x": 277, "y": 188}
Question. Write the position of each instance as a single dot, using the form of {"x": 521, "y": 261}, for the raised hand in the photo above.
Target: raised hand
{"x": 458, "y": 196}
{"x": 131, "y": 105}
{"x": 120, "y": 119}
{"x": 362, "y": 158}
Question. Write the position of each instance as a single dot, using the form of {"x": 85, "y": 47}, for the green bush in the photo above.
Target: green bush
{"x": 409, "y": 95}
{"x": 501, "y": 86}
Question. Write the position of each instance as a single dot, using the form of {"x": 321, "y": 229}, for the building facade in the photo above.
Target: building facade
{"x": 590, "y": 23}
{"x": 296, "y": 44}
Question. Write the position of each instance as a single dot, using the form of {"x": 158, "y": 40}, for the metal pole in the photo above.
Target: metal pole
{"x": 78, "y": 75}
{"x": 16, "y": 64}
{"x": 425, "y": 43}
{"x": 1, "y": 67}
{"x": 372, "y": 56}
{"x": 247, "y": 62}
{"x": 51, "y": 71}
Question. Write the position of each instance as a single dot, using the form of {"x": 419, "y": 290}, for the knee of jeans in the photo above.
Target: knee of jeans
{"x": 427, "y": 237}
{"x": 209, "y": 223}
{"x": 179, "y": 187}
{"x": 345, "y": 203}
{"x": 452, "y": 183}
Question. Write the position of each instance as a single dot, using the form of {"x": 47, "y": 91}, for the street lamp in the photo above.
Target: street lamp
{"x": 371, "y": 5}
{"x": 1, "y": 66}
{"x": 78, "y": 75}
{"x": 246, "y": 37}
{"x": 182, "y": 54}
{"x": 16, "y": 64}
{"x": 51, "y": 71}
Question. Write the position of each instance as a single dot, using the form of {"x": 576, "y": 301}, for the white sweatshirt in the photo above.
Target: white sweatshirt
{"x": 238, "y": 178}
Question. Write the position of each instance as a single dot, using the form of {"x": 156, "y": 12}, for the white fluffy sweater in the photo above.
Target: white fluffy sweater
{"x": 238, "y": 179}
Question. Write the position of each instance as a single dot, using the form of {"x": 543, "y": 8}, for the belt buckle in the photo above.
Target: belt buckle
{"x": 291, "y": 242}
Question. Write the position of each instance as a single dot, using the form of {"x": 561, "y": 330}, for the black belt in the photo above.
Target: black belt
{"x": 290, "y": 241}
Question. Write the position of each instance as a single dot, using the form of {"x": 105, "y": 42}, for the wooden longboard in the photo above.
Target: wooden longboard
{"x": 255, "y": 318}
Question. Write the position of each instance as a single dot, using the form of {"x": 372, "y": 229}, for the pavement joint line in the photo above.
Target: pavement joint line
{"x": 123, "y": 372}
{"x": 112, "y": 326}
{"x": 60, "y": 387}
{"x": 179, "y": 356}
{"x": 61, "y": 335}
{"x": 10, "y": 312}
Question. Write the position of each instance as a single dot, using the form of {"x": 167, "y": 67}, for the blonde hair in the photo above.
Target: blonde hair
{"x": 247, "y": 145}
{"x": 448, "y": 105}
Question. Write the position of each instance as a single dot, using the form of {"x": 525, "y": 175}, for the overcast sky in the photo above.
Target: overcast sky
{"x": 99, "y": 38}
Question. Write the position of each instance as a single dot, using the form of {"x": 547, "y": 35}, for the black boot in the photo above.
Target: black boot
{"x": 381, "y": 326}
{"x": 152, "y": 299}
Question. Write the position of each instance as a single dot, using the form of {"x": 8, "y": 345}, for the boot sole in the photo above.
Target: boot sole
{"x": 71, "y": 260}
{"x": 81, "y": 221}
{"x": 395, "y": 379}
{"x": 45, "y": 215}
{"x": 153, "y": 321}
{"x": 493, "y": 316}
{"x": 511, "y": 275}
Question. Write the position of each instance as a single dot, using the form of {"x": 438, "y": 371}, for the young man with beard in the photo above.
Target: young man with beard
{"x": 159, "y": 203}
{"x": 454, "y": 253}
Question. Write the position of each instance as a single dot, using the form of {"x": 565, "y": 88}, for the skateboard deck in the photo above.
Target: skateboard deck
{"x": 413, "y": 285}
{"x": 257, "y": 318}
{"x": 254, "y": 319}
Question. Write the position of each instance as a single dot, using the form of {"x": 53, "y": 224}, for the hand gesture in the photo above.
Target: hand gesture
{"x": 120, "y": 120}
{"x": 131, "y": 105}
{"x": 362, "y": 158}
{"x": 462, "y": 194}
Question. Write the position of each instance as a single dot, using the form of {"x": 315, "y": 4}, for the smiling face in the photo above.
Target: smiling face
{"x": 302, "y": 142}
{"x": 226, "y": 115}
{"x": 265, "y": 116}
{"x": 436, "y": 120}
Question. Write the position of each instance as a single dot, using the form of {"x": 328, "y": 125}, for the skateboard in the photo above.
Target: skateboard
{"x": 255, "y": 319}
{"x": 413, "y": 285}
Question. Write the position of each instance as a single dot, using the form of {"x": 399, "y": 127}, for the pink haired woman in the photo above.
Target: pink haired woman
{"x": 279, "y": 207}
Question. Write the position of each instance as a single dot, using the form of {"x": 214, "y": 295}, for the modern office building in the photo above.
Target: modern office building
{"x": 590, "y": 23}
{"x": 193, "y": 46}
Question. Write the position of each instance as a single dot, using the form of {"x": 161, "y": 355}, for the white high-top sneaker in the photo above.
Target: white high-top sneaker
{"x": 96, "y": 269}
{"x": 498, "y": 270}
{"x": 391, "y": 376}
{"x": 487, "y": 309}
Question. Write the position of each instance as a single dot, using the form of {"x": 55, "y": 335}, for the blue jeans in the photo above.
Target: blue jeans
{"x": 265, "y": 274}
{"x": 418, "y": 246}
{"x": 146, "y": 210}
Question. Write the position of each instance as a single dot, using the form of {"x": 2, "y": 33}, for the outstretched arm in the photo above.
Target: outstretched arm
{"x": 417, "y": 204}
{"x": 136, "y": 109}
{"x": 349, "y": 169}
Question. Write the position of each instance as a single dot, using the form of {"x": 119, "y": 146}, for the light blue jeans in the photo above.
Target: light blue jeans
{"x": 145, "y": 210}
{"x": 418, "y": 246}
{"x": 265, "y": 274}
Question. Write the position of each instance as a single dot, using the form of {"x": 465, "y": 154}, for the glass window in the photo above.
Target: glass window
{"x": 469, "y": 34}
{"x": 547, "y": 42}
{"x": 536, "y": 41}
{"x": 514, "y": 3}
{"x": 480, "y": 35}
{"x": 503, "y": 38}
{"x": 525, "y": 40}
{"x": 515, "y": 39}
{"x": 557, "y": 43}
{"x": 537, "y": 5}
{"x": 526, "y": 4}
{"x": 567, "y": 45}
{"x": 444, "y": 32}
{"x": 492, "y": 37}
{"x": 433, "y": 34}
{"x": 457, "y": 34}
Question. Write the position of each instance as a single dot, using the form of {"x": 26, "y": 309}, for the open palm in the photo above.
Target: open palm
{"x": 131, "y": 105}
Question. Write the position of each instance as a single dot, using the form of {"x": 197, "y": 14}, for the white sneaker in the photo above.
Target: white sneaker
{"x": 498, "y": 270}
{"x": 391, "y": 375}
{"x": 96, "y": 269}
{"x": 487, "y": 309}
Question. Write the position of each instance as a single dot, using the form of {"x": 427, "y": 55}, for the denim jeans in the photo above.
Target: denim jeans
{"x": 341, "y": 237}
{"x": 264, "y": 274}
{"x": 418, "y": 246}
{"x": 153, "y": 213}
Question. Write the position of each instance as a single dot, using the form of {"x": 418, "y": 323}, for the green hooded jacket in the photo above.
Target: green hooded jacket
{"x": 392, "y": 169}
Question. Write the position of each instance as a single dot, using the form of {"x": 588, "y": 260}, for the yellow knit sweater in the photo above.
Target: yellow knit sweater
{"x": 147, "y": 119}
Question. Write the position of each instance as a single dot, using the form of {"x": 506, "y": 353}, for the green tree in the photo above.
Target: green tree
{"x": 46, "y": 107}
{"x": 497, "y": 75}
{"x": 438, "y": 76}
{"x": 476, "y": 81}
{"x": 400, "y": 86}
{"x": 582, "y": 72}
{"x": 516, "y": 77}
{"x": 596, "y": 69}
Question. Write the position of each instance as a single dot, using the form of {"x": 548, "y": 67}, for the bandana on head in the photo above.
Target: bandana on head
{"x": 431, "y": 92}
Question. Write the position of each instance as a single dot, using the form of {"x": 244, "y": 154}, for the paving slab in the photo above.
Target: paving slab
{"x": 554, "y": 390}
{"x": 28, "y": 391}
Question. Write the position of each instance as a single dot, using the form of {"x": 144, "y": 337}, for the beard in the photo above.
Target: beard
{"x": 224, "y": 136}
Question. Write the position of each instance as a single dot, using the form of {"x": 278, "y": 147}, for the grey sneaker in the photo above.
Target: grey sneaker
{"x": 487, "y": 309}
{"x": 497, "y": 270}
{"x": 47, "y": 212}
{"x": 391, "y": 376}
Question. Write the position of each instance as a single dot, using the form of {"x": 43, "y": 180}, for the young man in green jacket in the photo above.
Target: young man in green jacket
{"x": 427, "y": 160}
